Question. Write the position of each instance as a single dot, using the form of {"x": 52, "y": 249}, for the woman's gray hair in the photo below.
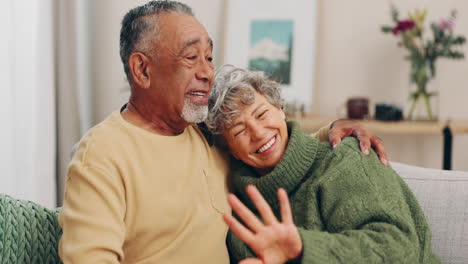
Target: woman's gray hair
{"x": 233, "y": 86}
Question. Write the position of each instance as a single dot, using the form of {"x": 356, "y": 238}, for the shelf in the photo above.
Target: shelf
{"x": 459, "y": 126}
{"x": 312, "y": 123}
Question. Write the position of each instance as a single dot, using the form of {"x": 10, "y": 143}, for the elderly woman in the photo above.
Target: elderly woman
{"x": 347, "y": 207}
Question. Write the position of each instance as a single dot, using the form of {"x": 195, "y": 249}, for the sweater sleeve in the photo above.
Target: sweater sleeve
{"x": 92, "y": 217}
{"x": 370, "y": 215}
{"x": 238, "y": 250}
{"x": 322, "y": 133}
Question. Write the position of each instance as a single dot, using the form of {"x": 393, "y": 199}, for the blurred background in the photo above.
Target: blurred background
{"x": 61, "y": 74}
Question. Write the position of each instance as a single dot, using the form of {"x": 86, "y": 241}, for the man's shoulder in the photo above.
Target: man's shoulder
{"x": 115, "y": 139}
{"x": 100, "y": 140}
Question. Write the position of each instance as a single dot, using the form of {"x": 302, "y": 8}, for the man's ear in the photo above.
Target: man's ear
{"x": 139, "y": 68}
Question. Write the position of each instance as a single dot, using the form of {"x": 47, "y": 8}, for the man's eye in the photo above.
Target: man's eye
{"x": 192, "y": 57}
{"x": 210, "y": 59}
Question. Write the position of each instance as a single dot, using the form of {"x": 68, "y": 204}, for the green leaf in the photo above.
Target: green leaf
{"x": 432, "y": 68}
{"x": 414, "y": 95}
{"x": 455, "y": 55}
{"x": 460, "y": 40}
{"x": 386, "y": 29}
{"x": 437, "y": 32}
{"x": 395, "y": 14}
{"x": 424, "y": 14}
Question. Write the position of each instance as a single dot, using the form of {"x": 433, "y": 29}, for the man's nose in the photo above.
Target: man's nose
{"x": 205, "y": 71}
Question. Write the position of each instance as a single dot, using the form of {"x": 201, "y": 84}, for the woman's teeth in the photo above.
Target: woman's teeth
{"x": 267, "y": 145}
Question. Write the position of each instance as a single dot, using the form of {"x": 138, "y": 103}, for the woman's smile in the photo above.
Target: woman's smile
{"x": 268, "y": 147}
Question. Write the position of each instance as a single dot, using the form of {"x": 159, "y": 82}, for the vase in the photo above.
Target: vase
{"x": 424, "y": 100}
{"x": 423, "y": 107}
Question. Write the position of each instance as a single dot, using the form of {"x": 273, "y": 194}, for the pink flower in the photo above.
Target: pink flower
{"x": 446, "y": 24}
{"x": 403, "y": 26}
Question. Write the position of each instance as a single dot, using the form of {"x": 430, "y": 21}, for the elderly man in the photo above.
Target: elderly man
{"x": 144, "y": 185}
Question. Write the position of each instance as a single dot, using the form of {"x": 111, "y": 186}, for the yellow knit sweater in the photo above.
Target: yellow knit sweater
{"x": 133, "y": 196}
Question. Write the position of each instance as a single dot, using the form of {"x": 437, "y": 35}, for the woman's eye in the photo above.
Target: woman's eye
{"x": 210, "y": 59}
{"x": 262, "y": 114}
{"x": 239, "y": 133}
{"x": 192, "y": 57}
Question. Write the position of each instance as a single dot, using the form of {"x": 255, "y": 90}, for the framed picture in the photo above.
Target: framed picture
{"x": 277, "y": 37}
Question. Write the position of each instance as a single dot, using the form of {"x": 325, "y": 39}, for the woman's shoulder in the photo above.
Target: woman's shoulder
{"x": 348, "y": 162}
{"x": 348, "y": 150}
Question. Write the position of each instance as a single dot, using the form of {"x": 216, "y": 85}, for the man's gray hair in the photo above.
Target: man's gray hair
{"x": 233, "y": 86}
{"x": 140, "y": 29}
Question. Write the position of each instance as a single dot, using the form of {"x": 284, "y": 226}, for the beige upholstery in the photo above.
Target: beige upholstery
{"x": 443, "y": 195}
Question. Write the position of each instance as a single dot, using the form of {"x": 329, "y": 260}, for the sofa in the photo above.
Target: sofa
{"x": 30, "y": 233}
{"x": 443, "y": 195}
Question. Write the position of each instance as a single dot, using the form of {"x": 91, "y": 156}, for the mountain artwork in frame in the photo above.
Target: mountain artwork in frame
{"x": 277, "y": 37}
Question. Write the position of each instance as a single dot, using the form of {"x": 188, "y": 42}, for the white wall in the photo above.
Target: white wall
{"x": 355, "y": 58}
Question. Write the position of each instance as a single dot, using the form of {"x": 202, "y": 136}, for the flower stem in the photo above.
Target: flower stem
{"x": 428, "y": 106}
{"x": 413, "y": 104}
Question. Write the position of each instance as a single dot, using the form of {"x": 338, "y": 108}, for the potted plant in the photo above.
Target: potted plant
{"x": 423, "y": 52}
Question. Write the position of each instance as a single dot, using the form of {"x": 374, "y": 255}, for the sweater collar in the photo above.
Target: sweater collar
{"x": 288, "y": 173}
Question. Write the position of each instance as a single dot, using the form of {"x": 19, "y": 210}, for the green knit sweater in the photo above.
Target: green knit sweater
{"x": 348, "y": 207}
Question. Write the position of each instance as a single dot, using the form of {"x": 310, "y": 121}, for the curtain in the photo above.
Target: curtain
{"x": 74, "y": 100}
{"x": 27, "y": 78}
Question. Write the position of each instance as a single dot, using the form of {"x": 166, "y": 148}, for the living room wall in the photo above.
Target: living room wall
{"x": 353, "y": 58}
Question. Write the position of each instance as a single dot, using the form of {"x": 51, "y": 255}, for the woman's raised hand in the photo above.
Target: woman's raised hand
{"x": 272, "y": 241}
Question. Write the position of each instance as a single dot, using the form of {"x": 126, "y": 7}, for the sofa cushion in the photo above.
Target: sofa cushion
{"x": 443, "y": 195}
{"x": 29, "y": 233}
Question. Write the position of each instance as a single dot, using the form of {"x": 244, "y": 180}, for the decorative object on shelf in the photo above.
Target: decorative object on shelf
{"x": 388, "y": 112}
{"x": 423, "y": 53}
{"x": 357, "y": 108}
{"x": 294, "y": 110}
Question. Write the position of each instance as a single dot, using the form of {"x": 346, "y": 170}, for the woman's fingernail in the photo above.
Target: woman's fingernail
{"x": 366, "y": 152}
{"x": 335, "y": 145}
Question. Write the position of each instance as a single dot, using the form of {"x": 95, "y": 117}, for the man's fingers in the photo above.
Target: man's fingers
{"x": 286, "y": 214}
{"x": 251, "y": 261}
{"x": 364, "y": 144}
{"x": 384, "y": 160}
{"x": 262, "y": 206}
{"x": 244, "y": 213}
{"x": 334, "y": 138}
{"x": 344, "y": 128}
{"x": 238, "y": 229}
{"x": 363, "y": 136}
{"x": 339, "y": 130}
{"x": 378, "y": 145}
